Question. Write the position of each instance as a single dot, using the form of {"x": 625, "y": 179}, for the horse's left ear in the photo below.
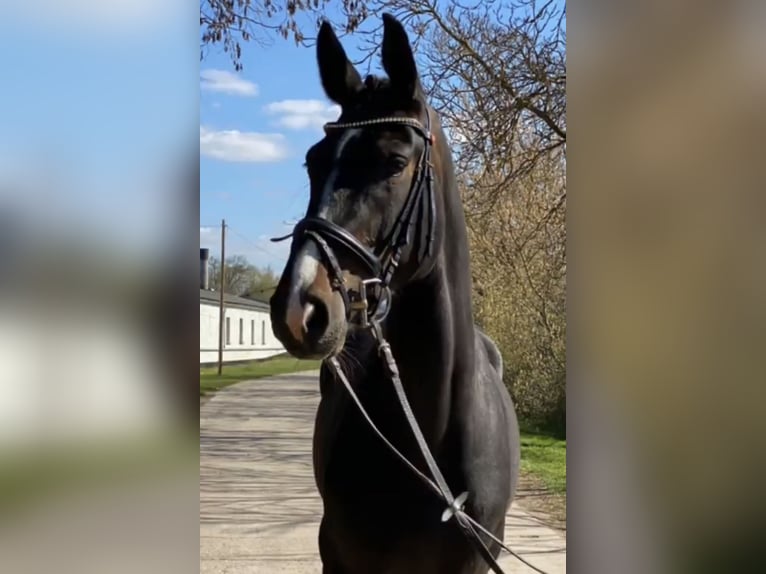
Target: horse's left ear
{"x": 340, "y": 79}
{"x": 398, "y": 61}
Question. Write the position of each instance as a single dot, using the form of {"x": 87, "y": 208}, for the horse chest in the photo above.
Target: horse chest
{"x": 353, "y": 466}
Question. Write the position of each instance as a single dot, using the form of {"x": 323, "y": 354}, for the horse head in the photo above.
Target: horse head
{"x": 372, "y": 224}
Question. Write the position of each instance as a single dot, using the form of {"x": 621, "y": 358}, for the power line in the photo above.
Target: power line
{"x": 253, "y": 243}
{"x": 245, "y": 238}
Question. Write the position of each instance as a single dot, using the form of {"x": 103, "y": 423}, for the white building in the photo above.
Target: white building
{"x": 247, "y": 325}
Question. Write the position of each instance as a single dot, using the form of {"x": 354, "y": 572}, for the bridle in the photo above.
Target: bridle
{"x": 380, "y": 265}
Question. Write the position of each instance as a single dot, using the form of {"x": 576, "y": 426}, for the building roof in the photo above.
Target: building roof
{"x": 213, "y": 298}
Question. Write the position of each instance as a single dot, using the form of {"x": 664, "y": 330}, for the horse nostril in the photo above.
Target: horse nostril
{"x": 315, "y": 318}
{"x": 308, "y": 311}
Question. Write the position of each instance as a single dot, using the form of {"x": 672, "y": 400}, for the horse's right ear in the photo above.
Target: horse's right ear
{"x": 340, "y": 79}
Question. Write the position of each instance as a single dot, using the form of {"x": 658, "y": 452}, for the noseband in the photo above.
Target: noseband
{"x": 379, "y": 264}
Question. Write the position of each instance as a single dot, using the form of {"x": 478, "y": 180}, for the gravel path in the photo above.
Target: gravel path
{"x": 259, "y": 508}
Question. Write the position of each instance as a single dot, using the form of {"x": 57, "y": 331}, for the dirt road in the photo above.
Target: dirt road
{"x": 259, "y": 509}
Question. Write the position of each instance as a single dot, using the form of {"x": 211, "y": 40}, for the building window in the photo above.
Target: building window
{"x": 252, "y": 332}
{"x": 263, "y": 332}
{"x": 241, "y": 331}
{"x": 228, "y": 330}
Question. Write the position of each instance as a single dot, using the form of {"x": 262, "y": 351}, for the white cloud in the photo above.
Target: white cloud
{"x": 225, "y": 82}
{"x": 241, "y": 147}
{"x": 302, "y": 114}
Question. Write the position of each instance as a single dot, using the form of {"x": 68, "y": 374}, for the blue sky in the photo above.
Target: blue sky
{"x": 99, "y": 109}
{"x": 255, "y": 128}
{"x": 97, "y": 113}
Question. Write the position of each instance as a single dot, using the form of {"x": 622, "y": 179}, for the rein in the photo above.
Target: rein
{"x": 455, "y": 505}
{"x": 381, "y": 267}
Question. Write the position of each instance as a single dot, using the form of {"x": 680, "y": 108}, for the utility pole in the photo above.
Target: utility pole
{"x": 220, "y": 294}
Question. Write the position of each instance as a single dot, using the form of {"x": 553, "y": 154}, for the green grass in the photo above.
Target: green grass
{"x": 210, "y": 381}
{"x": 545, "y": 457}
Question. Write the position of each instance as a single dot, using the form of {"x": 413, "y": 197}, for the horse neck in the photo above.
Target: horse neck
{"x": 430, "y": 328}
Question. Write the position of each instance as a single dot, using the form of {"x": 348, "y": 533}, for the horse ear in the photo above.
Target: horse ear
{"x": 340, "y": 79}
{"x": 398, "y": 61}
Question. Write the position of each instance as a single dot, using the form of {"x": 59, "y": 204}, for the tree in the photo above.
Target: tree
{"x": 519, "y": 273}
{"x": 239, "y": 274}
{"x": 495, "y": 71}
{"x": 262, "y": 284}
{"x": 496, "y": 74}
{"x": 243, "y": 278}
{"x": 234, "y": 22}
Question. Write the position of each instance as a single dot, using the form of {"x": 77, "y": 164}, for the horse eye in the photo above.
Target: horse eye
{"x": 396, "y": 165}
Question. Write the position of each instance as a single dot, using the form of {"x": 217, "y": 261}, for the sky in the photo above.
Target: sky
{"x": 97, "y": 115}
{"x": 100, "y": 103}
{"x": 255, "y": 128}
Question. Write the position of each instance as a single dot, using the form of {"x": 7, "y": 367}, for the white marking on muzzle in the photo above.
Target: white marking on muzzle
{"x": 308, "y": 258}
{"x": 304, "y": 274}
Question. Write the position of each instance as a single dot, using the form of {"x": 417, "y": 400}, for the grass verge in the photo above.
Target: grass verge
{"x": 545, "y": 457}
{"x": 210, "y": 381}
{"x": 543, "y": 483}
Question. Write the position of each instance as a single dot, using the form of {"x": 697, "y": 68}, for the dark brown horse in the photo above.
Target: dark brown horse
{"x": 385, "y": 203}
